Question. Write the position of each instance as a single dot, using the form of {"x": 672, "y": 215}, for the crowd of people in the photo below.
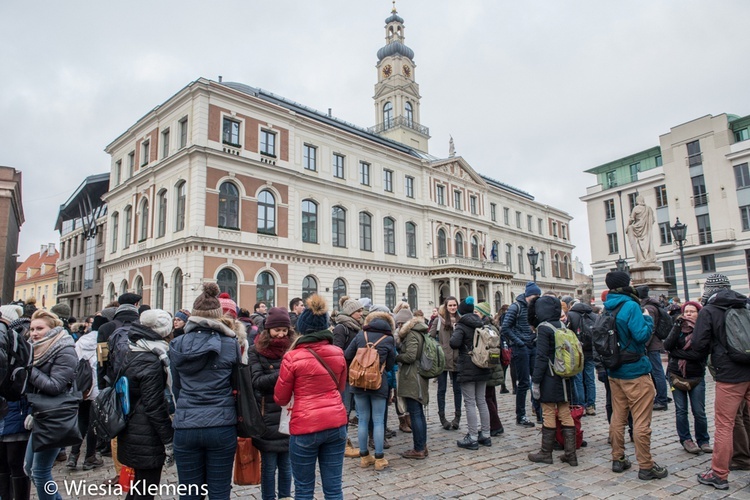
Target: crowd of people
{"x": 182, "y": 391}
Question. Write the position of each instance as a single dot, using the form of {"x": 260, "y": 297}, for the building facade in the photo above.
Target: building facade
{"x": 37, "y": 277}
{"x": 270, "y": 199}
{"x": 11, "y": 220}
{"x": 699, "y": 174}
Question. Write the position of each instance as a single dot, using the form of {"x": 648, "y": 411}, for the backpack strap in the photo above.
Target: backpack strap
{"x": 376, "y": 342}
{"x": 325, "y": 365}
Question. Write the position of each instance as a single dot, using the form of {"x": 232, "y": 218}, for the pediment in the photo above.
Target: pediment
{"x": 411, "y": 89}
{"x": 458, "y": 167}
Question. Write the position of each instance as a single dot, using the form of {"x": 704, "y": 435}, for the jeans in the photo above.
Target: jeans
{"x": 418, "y": 423}
{"x": 205, "y": 456}
{"x": 697, "y": 397}
{"x": 325, "y": 447}
{"x": 589, "y": 381}
{"x": 490, "y": 396}
{"x": 269, "y": 462}
{"x": 523, "y": 360}
{"x": 38, "y": 467}
{"x": 443, "y": 388}
{"x": 370, "y": 406}
{"x": 660, "y": 381}
{"x": 579, "y": 395}
{"x": 473, "y": 394}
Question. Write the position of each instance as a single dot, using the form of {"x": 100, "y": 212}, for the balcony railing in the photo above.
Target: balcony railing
{"x": 469, "y": 263}
{"x": 707, "y": 237}
{"x": 696, "y": 159}
{"x": 399, "y": 120}
{"x": 699, "y": 200}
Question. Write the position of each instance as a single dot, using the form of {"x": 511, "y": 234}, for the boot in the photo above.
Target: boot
{"x": 92, "y": 462}
{"x": 21, "y": 488}
{"x": 72, "y": 462}
{"x": 5, "y": 485}
{"x": 350, "y": 451}
{"x": 456, "y": 420}
{"x": 544, "y": 456}
{"x": 569, "y": 439}
{"x": 366, "y": 460}
{"x": 446, "y": 425}
{"x": 403, "y": 424}
{"x": 381, "y": 463}
{"x": 408, "y": 422}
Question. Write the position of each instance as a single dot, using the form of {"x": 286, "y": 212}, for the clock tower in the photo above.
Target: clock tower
{"x": 396, "y": 92}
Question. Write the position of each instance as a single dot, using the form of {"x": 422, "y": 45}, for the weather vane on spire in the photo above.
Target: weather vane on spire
{"x": 394, "y": 7}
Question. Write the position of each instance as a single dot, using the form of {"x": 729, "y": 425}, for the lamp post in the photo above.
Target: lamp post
{"x": 679, "y": 233}
{"x": 533, "y": 256}
{"x": 622, "y": 265}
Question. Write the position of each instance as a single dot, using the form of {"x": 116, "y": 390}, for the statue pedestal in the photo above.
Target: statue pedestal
{"x": 651, "y": 275}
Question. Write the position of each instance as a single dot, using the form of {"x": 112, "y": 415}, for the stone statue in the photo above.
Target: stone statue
{"x": 451, "y": 148}
{"x": 640, "y": 232}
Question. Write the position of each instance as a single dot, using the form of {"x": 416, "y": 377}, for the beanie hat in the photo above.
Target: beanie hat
{"x": 109, "y": 313}
{"x": 484, "y": 308}
{"x": 30, "y": 308}
{"x": 182, "y": 314}
{"x": 278, "y": 317}
{"x": 376, "y": 308}
{"x": 568, "y": 300}
{"x": 466, "y": 306}
{"x": 158, "y": 320}
{"x": 228, "y": 305}
{"x": 402, "y": 316}
{"x": 129, "y": 298}
{"x": 366, "y": 303}
{"x": 207, "y": 304}
{"x": 62, "y": 310}
{"x": 315, "y": 316}
{"x": 714, "y": 283}
{"x": 11, "y": 312}
{"x": 617, "y": 279}
{"x": 349, "y": 306}
{"x": 98, "y": 322}
{"x": 697, "y": 306}
{"x": 532, "y": 289}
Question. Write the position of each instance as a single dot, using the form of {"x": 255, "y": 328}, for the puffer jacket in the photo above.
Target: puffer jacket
{"x": 55, "y": 375}
{"x": 442, "y": 331}
{"x": 410, "y": 383}
{"x": 633, "y": 329}
{"x": 695, "y": 366}
{"x": 202, "y": 361}
{"x": 552, "y": 388}
{"x": 265, "y": 373}
{"x": 515, "y": 327}
{"x": 317, "y": 399}
{"x": 463, "y": 340}
{"x": 149, "y": 429}
{"x": 13, "y": 421}
{"x": 377, "y": 325}
{"x": 709, "y": 335}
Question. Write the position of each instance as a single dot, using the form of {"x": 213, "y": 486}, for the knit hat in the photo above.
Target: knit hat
{"x": 182, "y": 314}
{"x": 11, "y": 312}
{"x": 402, "y": 316}
{"x": 278, "y": 317}
{"x": 349, "y": 306}
{"x": 30, "y": 308}
{"x": 62, "y": 310}
{"x": 315, "y": 316}
{"x": 532, "y": 289}
{"x": 98, "y": 322}
{"x": 714, "y": 283}
{"x": 158, "y": 320}
{"x": 207, "y": 304}
{"x": 697, "y": 305}
{"x": 366, "y": 303}
{"x": 617, "y": 279}
{"x": 228, "y": 305}
{"x": 568, "y": 300}
{"x": 466, "y": 306}
{"x": 109, "y": 313}
{"x": 129, "y": 298}
{"x": 484, "y": 308}
{"x": 378, "y": 308}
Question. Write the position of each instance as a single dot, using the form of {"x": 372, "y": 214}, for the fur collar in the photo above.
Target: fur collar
{"x": 409, "y": 326}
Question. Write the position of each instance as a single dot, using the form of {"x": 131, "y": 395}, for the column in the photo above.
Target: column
{"x": 474, "y": 289}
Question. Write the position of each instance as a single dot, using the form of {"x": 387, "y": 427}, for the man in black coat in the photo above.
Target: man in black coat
{"x": 127, "y": 313}
{"x": 580, "y": 319}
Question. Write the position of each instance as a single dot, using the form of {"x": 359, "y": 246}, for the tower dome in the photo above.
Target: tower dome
{"x": 394, "y": 49}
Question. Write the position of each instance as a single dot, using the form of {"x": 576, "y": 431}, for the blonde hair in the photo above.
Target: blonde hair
{"x": 50, "y": 318}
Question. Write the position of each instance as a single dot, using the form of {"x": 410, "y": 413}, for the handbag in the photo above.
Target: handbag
{"x": 246, "y": 463}
{"x": 110, "y": 409}
{"x": 684, "y": 384}
{"x": 126, "y": 478}
{"x": 249, "y": 418}
{"x": 55, "y": 420}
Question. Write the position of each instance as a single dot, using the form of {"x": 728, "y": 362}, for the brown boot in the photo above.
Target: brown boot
{"x": 403, "y": 424}
{"x": 544, "y": 456}
{"x": 569, "y": 443}
{"x": 408, "y": 421}
{"x": 350, "y": 451}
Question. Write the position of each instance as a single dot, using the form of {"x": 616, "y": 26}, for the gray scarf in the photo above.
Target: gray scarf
{"x": 158, "y": 347}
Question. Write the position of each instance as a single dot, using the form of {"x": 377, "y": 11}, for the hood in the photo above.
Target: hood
{"x": 522, "y": 299}
{"x": 727, "y": 298}
{"x": 417, "y": 323}
{"x": 581, "y": 308}
{"x": 615, "y": 299}
{"x": 138, "y": 331}
{"x": 547, "y": 309}
{"x": 191, "y": 353}
{"x": 380, "y": 322}
{"x": 224, "y": 326}
{"x": 471, "y": 320}
{"x": 127, "y": 312}
{"x": 650, "y": 301}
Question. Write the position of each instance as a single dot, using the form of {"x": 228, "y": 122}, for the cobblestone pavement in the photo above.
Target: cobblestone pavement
{"x": 503, "y": 471}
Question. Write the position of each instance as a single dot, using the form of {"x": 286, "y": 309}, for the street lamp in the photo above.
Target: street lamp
{"x": 622, "y": 265}
{"x": 679, "y": 232}
{"x": 533, "y": 256}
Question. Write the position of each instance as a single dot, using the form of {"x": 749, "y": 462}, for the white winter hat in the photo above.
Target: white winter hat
{"x": 158, "y": 320}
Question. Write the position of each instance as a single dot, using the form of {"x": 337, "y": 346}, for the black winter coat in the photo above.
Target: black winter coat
{"x": 552, "y": 388}
{"x": 122, "y": 317}
{"x": 265, "y": 373}
{"x": 463, "y": 340}
{"x": 575, "y": 320}
{"x": 141, "y": 444}
{"x": 675, "y": 344}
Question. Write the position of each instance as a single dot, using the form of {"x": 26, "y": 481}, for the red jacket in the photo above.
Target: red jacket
{"x": 317, "y": 400}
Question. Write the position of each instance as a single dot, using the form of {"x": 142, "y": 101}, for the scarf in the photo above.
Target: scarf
{"x": 314, "y": 337}
{"x": 275, "y": 348}
{"x": 47, "y": 347}
{"x": 158, "y": 347}
{"x": 348, "y": 321}
{"x": 687, "y": 330}
{"x": 627, "y": 290}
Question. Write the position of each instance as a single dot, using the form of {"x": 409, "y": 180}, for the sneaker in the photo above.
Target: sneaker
{"x": 655, "y": 472}
{"x": 706, "y": 448}
{"x": 711, "y": 479}
{"x": 590, "y": 411}
{"x": 525, "y": 422}
{"x": 691, "y": 447}
{"x": 484, "y": 440}
{"x": 468, "y": 443}
{"x": 93, "y": 462}
{"x": 621, "y": 465}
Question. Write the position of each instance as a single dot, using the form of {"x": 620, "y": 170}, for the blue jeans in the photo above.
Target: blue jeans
{"x": 657, "y": 374}
{"x": 418, "y": 423}
{"x": 443, "y": 388}
{"x": 370, "y": 406}
{"x": 523, "y": 360}
{"x": 697, "y": 397}
{"x": 589, "y": 381}
{"x": 579, "y": 395}
{"x": 325, "y": 447}
{"x": 38, "y": 467}
{"x": 205, "y": 456}
{"x": 269, "y": 462}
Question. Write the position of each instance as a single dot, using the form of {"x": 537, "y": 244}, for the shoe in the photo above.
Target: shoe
{"x": 484, "y": 440}
{"x": 590, "y": 411}
{"x": 660, "y": 407}
{"x": 445, "y": 423}
{"x": 350, "y": 451}
{"x": 504, "y": 391}
{"x": 569, "y": 443}
{"x": 426, "y": 451}
{"x": 467, "y": 443}
{"x": 736, "y": 466}
{"x": 62, "y": 456}
{"x": 707, "y": 448}
{"x": 456, "y": 420}
{"x": 390, "y": 433}
{"x": 381, "y": 463}
{"x": 366, "y": 461}
{"x": 111, "y": 481}
{"x": 691, "y": 447}
{"x": 497, "y": 432}
{"x": 414, "y": 454}
{"x": 544, "y": 455}
{"x": 386, "y": 444}
{"x": 655, "y": 472}
{"x": 72, "y": 462}
{"x": 525, "y": 422}
{"x": 403, "y": 424}
{"x": 93, "y": 462}
{"x": 621, "y": 465}
{"x": 711, "y": 479}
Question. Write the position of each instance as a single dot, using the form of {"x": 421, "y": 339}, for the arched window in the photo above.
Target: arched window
{"x": 495, "y": 252}
{"x": 115, "y": 230}
{"x": 143, "y": 221}
{"x": 365, "y": 231}
{"x": 542, "y": 268}
{"x": 387, "y": 114}
{"x": 566, "y": 267}
{"x": 509, "y": 256}
{"x": 265, "y": 289}
{"x": 309, "y": 221}
{"x": 161, "y": 225}
{"x": 442, "y": 243}
{"x": 229, "y": 206}
{"x": 266, "y": 213}
{"x": 180, "y": 200}
{"x": 339, "y": 290}
{"x": 390, "y": 296}
{"x": 459, "y": 245}
{"x": 411, "y": 239}
{"x": 159, "y": 291}
{"x": 309, "y": 286}
{"x": 411, "y": 297}
{"x": 111, "y": 292}
{"x": 498, "y": 301}
{"x": 556, "y": 266}
{"x": 138, "y": 286}
{"x": 177, "y": 290}
{"x": 227, "y": 281}
{"x": 365, "y": 290}
{"x": 389, "y": 236}
{"x": 521, "y": 258}
{"x": 338, "y": 226}
{"x": 123, "y": 287}
{"x": 474, "y": 247}
{"x": 408, "y": 113}
{"x": 128, "y": 226}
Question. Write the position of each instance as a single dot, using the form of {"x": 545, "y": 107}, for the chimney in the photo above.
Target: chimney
{"x": 51, "y": 249}
{"x": 219, "y": 78}
{"x": 43, "y": 250}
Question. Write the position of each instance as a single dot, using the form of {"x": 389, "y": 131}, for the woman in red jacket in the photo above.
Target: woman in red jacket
{"x": 314, "y": 372}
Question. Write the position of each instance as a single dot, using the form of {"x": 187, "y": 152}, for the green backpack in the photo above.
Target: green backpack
{"x": 568, "y": 359}
{"x": 431, "y": 359}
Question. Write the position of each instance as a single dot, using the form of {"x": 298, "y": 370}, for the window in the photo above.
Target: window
{"x": 161, "y": 227}
{"x": 390, "y": 296}
{"x": 164, "y": 148}
{"x": 310, "y": 155}
{"x": 266, "y": 213}
{"x": 518, "y": 220}
{"x": 700, "y": 197}
{"x": 540, "y": 223}
{"x": 411, "y": 239}
{"x": 442, "y": 243}
{"x": 227, "y": 282}
{"x": 612, "y": 240}
{"x": 564, "y": 230}
{"x": 229, "y": 206}
{"x": 457, "y": 200}
{"x": 179, "y": 222}
{"x": 493, "y": 212}
{"x": 388, "y": 180}
{"x": 339, "y": 290}
{"x": 440, "y": 195}
{"x": 131, "y": 164}
{"x": 231, "y": 132}
{"x": 474, "y": 248}
{"x": 658, "y": 160}
{"x": 364, "y": 173}
{"x": 138, "y": 286}
{"x": 665, "y": 234}
{"x": 694, "y": 153}
{"x": 530, "y": 222}
{"x": 661, "y": 196}
{"x": 611, "y": 179}
{"x": 509, "y": 256}
{"x": 183, "y": 132}
{"x": 265, "y": 289}
{"x": 409, "y": 186}
{"x": 634, "y": 168}
{"x": 365, "y": 231}
{"x": 521, "y": 258}
{"x": 554, "y": 229}
{"x": 145, "y": 152}
{"x": 459, "y": 245}
{"x": 556, "y": 266}
{"x": 745, "y": 216}
{"x": 704, "y": 229}
{"x": 118, "y": 172}
{"x": 387, "y": 114}
{"x": 632, "y": 197}
{"x": 670, "y": 277}
{"x": 708, "y": 264}
{"x": 609, "y": 209}
{"x": 742, "y": 175}
{"x": 494, "y": 251}
{"x": 741, "y": 135}
{"x": 128, "y": 226}
{"x": 365, "y": 290}
{"x": 123, "y": 287}
{"x": 411, "y": 297}
{"x": 389, "y": 236}
{"x": 115, "y": 231}
{"x": 309, "y": 286}
{"x": 540, "y": 264}
{"x": 338, "y": 166}
{"x": 409, "y": 113}
{"x": 267, "y": 143}
{"x": 338, "y": 227}
{"x": 159, "y": 291}
{"x": 309, "y": 221}
{"x": 473, "y": 204}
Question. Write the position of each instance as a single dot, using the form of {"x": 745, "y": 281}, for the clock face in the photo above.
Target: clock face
{"x": 407, "y": 70}
{"x": 387, "y": 70}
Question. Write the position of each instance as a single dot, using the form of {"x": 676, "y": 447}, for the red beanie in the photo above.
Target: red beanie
{"x": 228, "y": 306}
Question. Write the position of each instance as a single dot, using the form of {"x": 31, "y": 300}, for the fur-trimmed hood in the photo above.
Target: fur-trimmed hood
{"x": 380, "y": 322}
{"x": 416, "y": 323}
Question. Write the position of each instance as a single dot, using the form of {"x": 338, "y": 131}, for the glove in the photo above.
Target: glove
{"x": 536, "y": 391}
{"x": 169, "y": 452}
{"x": 29, "y": 422}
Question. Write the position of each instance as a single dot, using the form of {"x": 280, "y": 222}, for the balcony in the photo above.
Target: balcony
{"x": 399, "y": 121}
{"x": 694, "y": 159}
{"x": 699, "y": 200}
{"x": 703, "y": 241}
{"x": 468, "y": 263}
{"x": 68, "y": 288}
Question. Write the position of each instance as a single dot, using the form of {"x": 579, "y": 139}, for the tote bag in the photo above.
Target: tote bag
{"x": 249, "y": 419}
{"x": 55, "y": 420}
{"x": 246, "y": 463}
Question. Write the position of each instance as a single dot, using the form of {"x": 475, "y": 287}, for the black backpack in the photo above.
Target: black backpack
{"x": 663, "y": 323}
{"x": 84, "y": 377}
{"x": 20, "y": 355}
{"x": 584, "y": 328}
{"x": 606, "y": 341}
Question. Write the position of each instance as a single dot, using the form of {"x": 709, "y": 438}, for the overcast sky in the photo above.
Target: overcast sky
{"x": 533, "y": 92}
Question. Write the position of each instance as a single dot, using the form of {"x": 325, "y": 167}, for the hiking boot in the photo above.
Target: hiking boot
{"x": 691, "y": 447}
{"x": 403, "y": 424}
{"x": 706, "y": 448}
{"x": 444, "y": 422}
{"x": 72, "y": 462}
{"x": 468, "y": 443}
{"x": 544, "y": 455}
{"x": 591, "y": 411}
{"x": 414, "y": 454}
{"x": 366, "y": 461}
{"x": 655, "y": 472}
{"x": 525, "y": 422}
{"x": 92, "y": 462}
{"x": 350, "y": 451}
{"x": 484, "y": 440}
{"x": 710, "y": 478}
{"x": 381, "y": 463}
{"x": 569, "y": 442}
{"x": 620, "y": 466}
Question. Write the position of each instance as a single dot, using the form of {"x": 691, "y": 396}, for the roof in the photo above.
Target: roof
{"x": 506, "y": 187}
{"x": 34, "y": 263}
{"x": 626, "y": 160}
{"x": 86, "y": 198}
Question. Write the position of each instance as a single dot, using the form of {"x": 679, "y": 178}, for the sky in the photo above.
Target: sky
{"x": 533, "y": 93}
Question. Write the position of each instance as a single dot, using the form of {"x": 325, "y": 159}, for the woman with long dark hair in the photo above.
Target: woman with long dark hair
{"x": 442, "y": 329}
